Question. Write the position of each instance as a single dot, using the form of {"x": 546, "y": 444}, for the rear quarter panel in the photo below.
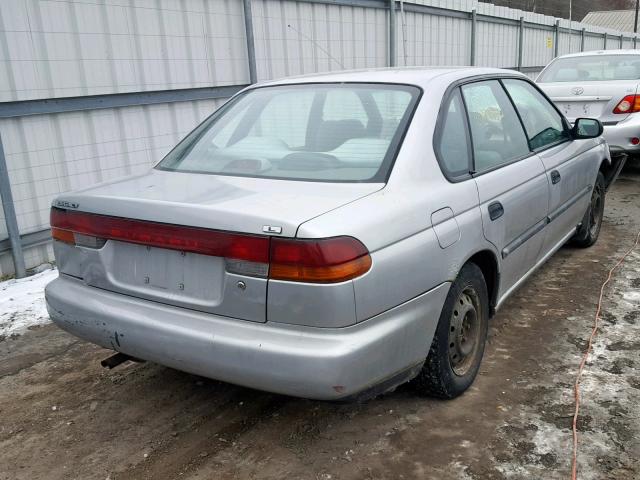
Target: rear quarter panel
{"x": 407, "y": 258}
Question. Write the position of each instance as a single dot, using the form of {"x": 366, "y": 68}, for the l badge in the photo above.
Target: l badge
{"x": 271, "y": 229}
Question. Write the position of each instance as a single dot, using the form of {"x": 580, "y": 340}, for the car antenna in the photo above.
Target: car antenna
{"x": 315, "y": 42}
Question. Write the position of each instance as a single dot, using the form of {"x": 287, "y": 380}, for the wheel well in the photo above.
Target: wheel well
{"x": 487, "y": 262}
{"x": 611, "y": 169}
{"x": 606, "y": 167}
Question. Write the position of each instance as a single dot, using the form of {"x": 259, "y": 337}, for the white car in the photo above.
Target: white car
{"x": 603, "y": 85}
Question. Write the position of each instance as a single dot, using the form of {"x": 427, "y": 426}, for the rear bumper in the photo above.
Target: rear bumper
{"x": 319, "y": 363}
{"x": 619, "y": 136}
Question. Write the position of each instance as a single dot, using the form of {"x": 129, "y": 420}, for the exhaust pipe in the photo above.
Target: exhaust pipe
{"x": 114, "y": 360}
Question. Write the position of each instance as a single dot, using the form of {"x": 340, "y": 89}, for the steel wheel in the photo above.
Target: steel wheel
{"x": 589, "y": 229}
{"x": 464, "y": 332}
{"x": 596, "y": 210}
{"x": 458, "y": 343}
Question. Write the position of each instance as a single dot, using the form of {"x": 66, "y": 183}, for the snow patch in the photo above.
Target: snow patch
{"x": 632, "y": 296}
{"x": 22, "y": 303}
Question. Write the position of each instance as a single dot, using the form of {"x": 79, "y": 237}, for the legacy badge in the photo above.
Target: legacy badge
{"x": 65, "y": 204}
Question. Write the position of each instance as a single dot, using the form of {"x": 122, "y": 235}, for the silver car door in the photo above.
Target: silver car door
{"x": 571, "y": 165}
{"x": 572, "y": 169}
{"x": 511, "y": 181}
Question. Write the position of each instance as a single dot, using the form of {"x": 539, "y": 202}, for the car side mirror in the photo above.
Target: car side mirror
{"x": 586, "y": 128}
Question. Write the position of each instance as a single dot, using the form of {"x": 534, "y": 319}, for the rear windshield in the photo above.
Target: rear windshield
{"x": 318, "y": 132}
{"x": 593, "y": 68}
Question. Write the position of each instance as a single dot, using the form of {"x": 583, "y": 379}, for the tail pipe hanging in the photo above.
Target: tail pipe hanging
{"x": 118, "y": 359}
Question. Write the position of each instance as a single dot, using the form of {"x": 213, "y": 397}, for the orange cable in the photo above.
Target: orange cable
{"x": 574, "y": 467}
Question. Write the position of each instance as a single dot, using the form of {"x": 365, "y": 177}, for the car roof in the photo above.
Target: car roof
{"x": 595, "y": 53}
{"x": 420, "y": 76}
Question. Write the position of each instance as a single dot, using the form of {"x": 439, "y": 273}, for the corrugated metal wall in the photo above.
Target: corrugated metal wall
{"x": 294, "y": 38}
{"x": 65, "y": 48}
{"x": 592, "y": 42}
{"x": 432, "y": 40}
{"x": 55, "y": 48}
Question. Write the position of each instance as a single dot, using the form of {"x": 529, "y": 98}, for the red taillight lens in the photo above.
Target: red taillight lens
{"x": 252, "y": 248}
{"x": 318, "y": 261}
{"x": 327, "y": 260}
{"x": 629, "y": 104}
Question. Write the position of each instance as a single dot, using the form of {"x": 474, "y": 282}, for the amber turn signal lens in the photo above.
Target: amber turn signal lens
{"x": 328, "y": 260}
{"x": 330, "y": 274}
{"x": 65, "y": 236}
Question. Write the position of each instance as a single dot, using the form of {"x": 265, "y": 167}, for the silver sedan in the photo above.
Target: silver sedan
{"x": 333, "y": 236}
{"x": 600, "y": 84}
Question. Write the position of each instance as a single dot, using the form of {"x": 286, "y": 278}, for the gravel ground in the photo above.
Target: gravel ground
{"x": 63, "y": 417}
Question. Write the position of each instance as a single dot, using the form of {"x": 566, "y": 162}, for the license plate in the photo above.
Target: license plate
{"x": 166, "y": 274}
{"x": 581, "y": 109}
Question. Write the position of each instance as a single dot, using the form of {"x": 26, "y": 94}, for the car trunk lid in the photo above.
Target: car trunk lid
{"x": 169, "y": 270}
{"x": 590, "y": 99}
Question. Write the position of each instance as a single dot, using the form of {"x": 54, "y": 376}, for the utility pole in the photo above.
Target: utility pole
{"x": 392, "y": 33}
{"x": 635, "y": 22}
{"x": 570, "y": 26}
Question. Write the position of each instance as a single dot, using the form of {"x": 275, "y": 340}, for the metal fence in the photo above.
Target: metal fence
{"x": 92, "y": 90}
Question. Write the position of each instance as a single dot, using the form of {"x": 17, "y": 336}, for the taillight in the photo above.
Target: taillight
{"x": 328, "y": 260}
{"x": 252, "y": 248}
{"x": 325, "y": 260}
{"x": 629, "y": 104}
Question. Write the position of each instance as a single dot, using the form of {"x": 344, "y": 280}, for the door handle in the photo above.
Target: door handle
{"x": 496, "y": 210}
{"x": 555, "y": 176}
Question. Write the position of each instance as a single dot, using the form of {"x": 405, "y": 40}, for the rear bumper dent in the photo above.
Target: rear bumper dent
{"x": 319, "y": 363}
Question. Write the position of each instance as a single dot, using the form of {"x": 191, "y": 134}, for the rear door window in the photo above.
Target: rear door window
{"x": 496, "y": 131}
{"x": 542, "y": 122}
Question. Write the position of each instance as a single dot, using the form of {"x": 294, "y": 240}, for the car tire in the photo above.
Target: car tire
{"x": 589, "y": 230}
{"x": 458, "y": 344}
